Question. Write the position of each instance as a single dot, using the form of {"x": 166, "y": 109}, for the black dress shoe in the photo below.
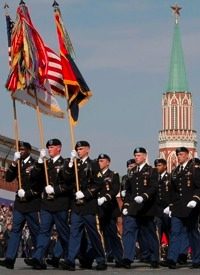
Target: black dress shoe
{"x": 182, "y": 259}
{"x": 126, "y": 263}
{"x": 36, "y": 264}
{"x": 154, "y": 264}
{"x": 85, "y": 265}
{"x": 53, "y": 262}
{"x": 101, "y": 266}
{"x": 171, "y": 264}
{"x": 195, "y": 265}
{"x": 118, "y": 264}
{"x": 40, "y": 266}
{"x": 164, "y": 263}
{"x": 144, "y": 260}
{"x": 29, "y": 261}
{"x": 8, "y": 263}
{"x": 67, "y": 265}
{"x": 110, "y": 259}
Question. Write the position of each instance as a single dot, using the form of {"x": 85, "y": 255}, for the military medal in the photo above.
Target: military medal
{"x": 166, "y": 186}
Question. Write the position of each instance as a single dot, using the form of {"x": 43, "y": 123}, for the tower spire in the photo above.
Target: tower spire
{"x": 177, "y": 108}
{"x": 177, "y": 75}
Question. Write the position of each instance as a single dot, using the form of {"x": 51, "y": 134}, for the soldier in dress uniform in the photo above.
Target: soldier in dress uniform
{"x": 162, "y": 220}
{"x": 162, "y": 197}
{"x": 27, "y": 201}
{"x": 109, "y": 209}
{"x": 85, "y": 209}
{"x": 55, "y": 203}
{"x": 138, "y": 213}
{"x": 130, "y": 164}
{"x": 184, "y": 208}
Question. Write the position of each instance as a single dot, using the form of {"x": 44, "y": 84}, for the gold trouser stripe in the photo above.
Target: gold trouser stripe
{"x": 99, "y": 231}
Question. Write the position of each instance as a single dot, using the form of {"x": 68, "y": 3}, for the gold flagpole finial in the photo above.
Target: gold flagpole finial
{"x": 176, "y": 11}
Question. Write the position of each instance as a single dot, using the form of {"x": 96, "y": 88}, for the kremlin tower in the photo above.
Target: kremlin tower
{"x": 177, "y": 110}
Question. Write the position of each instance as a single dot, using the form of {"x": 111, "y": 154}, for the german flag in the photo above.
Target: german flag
{"x": 78, "y": 90}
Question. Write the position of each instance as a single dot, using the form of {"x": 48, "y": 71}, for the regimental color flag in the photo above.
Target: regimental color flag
{"x": 36, "y": 70}
{"x": 78, "y": 91}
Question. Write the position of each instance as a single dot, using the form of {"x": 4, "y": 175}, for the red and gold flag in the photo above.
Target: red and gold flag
{"x": 78, "y": 90}
{"x": 35, "y": 70}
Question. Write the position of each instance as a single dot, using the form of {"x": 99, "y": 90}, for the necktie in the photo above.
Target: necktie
{"x": 181, "y": 168}
{"x": 159, "y": 177}
{"x": 138, "y": 168}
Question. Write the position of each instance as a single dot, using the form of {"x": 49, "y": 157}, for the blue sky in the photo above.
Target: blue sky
{"x": 123, "y": 51}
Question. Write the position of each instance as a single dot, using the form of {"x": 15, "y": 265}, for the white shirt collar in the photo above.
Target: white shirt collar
{"x": 84, "y": 159}
{"x": 142, "y": 165}
{"x": 184, "y": 164}
{"x": 55, "y": 158}
{"x": 26, "y": 159}
{"x": 162, "y": 175}
{"x": 104, "y": 171}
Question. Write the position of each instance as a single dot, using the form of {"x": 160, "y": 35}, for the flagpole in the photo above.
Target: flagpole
{"x": 72, "y": 136}
{"x": 16, "y": 131}
{"x": 41, "y": 132}
{"x": 15, "y": 122}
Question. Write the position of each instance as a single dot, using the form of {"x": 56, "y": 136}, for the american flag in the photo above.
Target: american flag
{"x": 9, "y": 25}
{"x": 54, "y": 73}
{"x": 46, "y": 93}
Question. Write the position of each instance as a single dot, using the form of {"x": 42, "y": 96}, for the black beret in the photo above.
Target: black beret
{"x": 162, "y": 161}
{"x": 139, "y": 150}
{"x": 53, "y": 141}
{"x": 82, "y": 143}
{"x": 25, "y": 145}
{"x": 181, "y": 149}
{"x": 130, "y": 161}
{"x": 103, "y": 156}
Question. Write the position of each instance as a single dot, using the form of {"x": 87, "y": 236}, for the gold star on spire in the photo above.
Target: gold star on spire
{"x": 176, "y": 10}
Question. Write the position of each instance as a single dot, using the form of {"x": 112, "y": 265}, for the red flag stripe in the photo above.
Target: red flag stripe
{"x": 54, "y": 73}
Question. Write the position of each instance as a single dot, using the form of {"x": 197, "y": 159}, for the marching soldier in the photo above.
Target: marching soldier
{"x": 163, "y": 221}
{"x": 85, "y": 209}
{"x": 184, "y": 208}
{"x": 27, "y": 201}
{"x": 109, "y": 209}
{"x": 130, "y": 164}
{"x": 138, "y": 211}
{"x": 162, "y": 197}
{"x": 55, "y": 203}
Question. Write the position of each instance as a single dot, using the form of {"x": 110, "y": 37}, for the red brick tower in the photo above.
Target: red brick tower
{"x": 177, "y": 110}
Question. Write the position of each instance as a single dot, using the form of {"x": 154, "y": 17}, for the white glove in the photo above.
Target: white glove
{"x": 17, "y": 156}
{"x": 125, "y": 211}
{"x": 123, "y": 193}
{"x": 167, "y": 211}
{"x": 73, "y": 155}
{"x": 49, "y": 189}
{"x": 101, "y": 200}
{"x": 138, "y": 199}
{"x": 192, "y": 204}
{"x": 79, "y": 195}
{"x": 21, "y": 193}
{"x": 43, "y": 155}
